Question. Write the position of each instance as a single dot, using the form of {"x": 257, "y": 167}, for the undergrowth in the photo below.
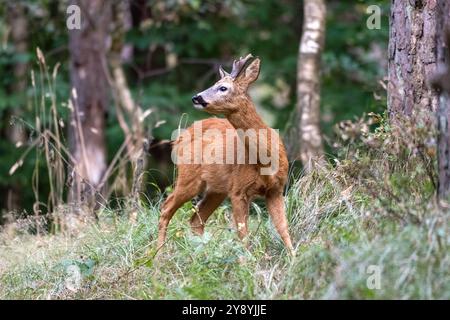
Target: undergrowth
{"x": 372, "y": 211}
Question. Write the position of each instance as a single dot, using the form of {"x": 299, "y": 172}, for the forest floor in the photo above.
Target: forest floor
{"x": 347, "y": 248}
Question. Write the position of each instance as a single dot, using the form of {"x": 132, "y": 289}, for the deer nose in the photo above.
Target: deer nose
{"x": 195, "y": 99}
{"x": 198, "y": 99}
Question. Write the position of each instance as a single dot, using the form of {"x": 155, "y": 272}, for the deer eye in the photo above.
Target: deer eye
{"x": 223, "y": 89}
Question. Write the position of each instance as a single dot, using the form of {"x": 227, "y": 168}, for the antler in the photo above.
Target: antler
{"x": 239, "y": 65}
{"x": 222, "y": 72}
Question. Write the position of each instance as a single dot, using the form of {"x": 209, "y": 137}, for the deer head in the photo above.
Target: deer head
{"x": 228, "y": 94}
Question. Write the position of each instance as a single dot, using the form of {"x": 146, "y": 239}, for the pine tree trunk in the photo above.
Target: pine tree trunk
{"x": 89, "y": 100}
{"x": 416, "y": 49}
{"x": 308, "y": 82}
{"x": 412, "y": 56}
{"x": 443, "y": 112}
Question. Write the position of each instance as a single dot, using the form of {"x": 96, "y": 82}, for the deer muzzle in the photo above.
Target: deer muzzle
{"x": 198, "y": 101}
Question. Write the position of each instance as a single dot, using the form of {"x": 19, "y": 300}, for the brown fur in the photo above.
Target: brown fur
{"x": 240, "y": 182}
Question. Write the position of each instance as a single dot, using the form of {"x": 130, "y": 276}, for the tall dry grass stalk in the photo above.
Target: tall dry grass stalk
{"x": 48, "y": 142}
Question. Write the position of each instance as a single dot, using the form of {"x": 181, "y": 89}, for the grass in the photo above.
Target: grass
{"x": 338, "y": 231}
{"x": 370, "y": 218}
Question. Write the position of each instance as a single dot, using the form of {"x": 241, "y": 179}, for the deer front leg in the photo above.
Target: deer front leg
{"x": 205, "y": 208}
{"x": 240, "y": 215}
{"x": 168, "y": 209}
{"x": 275, "y": 205}
{"x": 180, "y": 195}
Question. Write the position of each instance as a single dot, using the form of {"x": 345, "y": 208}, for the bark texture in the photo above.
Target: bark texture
{"x": 412, "y": 56}
{"x": 442, "y": 80}
{"x": 88, "y": 48}
{"x": 16, "y": 134}
{"x": 308, "y": 82}
{"x": 129, "y": 113}
{"x": 418, "y": 57}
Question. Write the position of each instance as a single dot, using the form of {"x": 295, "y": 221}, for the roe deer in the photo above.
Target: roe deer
{"x": 240, "y": 181}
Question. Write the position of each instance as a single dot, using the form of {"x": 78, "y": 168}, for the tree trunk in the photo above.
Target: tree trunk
{"x": 308, "y": 82}
{"x": 412, "y": 56}
{"x": 89, "y": 99}
{"x": 416, "y": 49}
{"x": 442, "y": 80}
{"x": 16, "y": 133}
{"x": 133, "y": 128}
{"x": 129, "y": 114}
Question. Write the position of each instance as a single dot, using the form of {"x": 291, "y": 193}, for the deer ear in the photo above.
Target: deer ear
{"x": 222, "y": 72}
{"x": 251, "y": 73}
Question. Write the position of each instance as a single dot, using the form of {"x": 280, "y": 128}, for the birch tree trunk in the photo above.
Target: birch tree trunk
{"x": 89, "y": 99}
{"x": 308, "y": 82}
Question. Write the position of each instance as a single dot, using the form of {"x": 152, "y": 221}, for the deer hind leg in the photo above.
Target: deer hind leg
{"x": 183, "y": 192}
{"x": 205, "y": 208}
{"x": 240, "y": 215}
{"x": 275, "y": 205}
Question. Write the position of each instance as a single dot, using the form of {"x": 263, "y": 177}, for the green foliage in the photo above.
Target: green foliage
{"x": 395, "y": 164}
{"x": 337, "y": 236}
{"x": 372, "y": 205}
{"x": 353, "y": 62}
{"x": 344, "y": 219}
{"x": 178, "y": 46}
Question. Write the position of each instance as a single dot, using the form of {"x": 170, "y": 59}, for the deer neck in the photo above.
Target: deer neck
{"x": 246, "y": 117}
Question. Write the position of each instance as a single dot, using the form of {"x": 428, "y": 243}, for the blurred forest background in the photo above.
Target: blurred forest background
{"x": 169, "y": 51}
{"x": 367, "y": 197}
